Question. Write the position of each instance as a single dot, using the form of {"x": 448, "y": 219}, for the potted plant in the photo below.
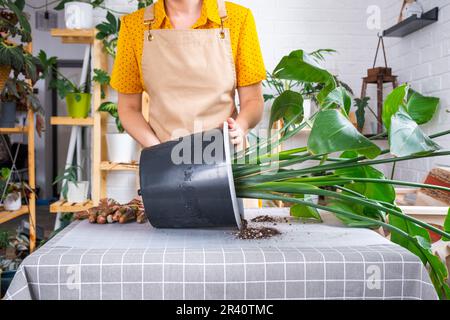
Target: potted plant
{"x": 122, "y": 148}
{"x": 20, "y": 245}
{"x": 72, "y": 189}
{"x": 16, "y": 63}
{"x": 12, "y": 192}
{"x": 17, "y": 95}
{"x": 351, "y": 188}
{"x": 78, "y": 98}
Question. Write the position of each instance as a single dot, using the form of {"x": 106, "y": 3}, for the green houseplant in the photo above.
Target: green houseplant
{"x": 122, "y": 148}
{"x": 72, "y": 189}
{"x": 357, "y": 193}
{"x": 78, "y": 98}
{"x": 16, "y": 63}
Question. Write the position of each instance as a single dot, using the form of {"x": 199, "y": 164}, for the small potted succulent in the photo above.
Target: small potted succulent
{"x": 122, "y": 148}
{"x": 72, "y": 189}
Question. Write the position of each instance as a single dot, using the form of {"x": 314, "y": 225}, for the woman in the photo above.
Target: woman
{"x": 190, "y": 56}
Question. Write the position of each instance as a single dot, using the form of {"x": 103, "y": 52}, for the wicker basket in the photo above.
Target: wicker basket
{"x": 4, "y": 75}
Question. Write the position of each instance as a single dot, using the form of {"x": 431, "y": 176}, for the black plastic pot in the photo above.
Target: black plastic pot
{"x": 192, "y": 194}
{"x": 8, "y": 114}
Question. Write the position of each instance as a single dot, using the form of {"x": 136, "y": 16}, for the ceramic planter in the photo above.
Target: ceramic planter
{"x": 13, "y": 201}
{"x": 78, "y": 15}
{"x": 77, "y": 192}
{"x": 191, "y": 194}
{"x": 78, "y": 104}
{"x": 8, "y": 114}
{"x": 122, "y": 148}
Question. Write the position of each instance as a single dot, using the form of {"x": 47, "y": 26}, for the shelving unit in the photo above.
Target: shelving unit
{"x": 68, "y": 121}
{"x": 64, "y": 206}
{"x": 97, "y": 122}
{"x": 412, "y": 24}
{"x": 29, "y": 209}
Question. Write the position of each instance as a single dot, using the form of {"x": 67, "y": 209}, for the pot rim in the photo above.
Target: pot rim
{"x": 227, "y": 147}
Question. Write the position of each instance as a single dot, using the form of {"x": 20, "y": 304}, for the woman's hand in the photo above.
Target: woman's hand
{"x": 237, "y": 133}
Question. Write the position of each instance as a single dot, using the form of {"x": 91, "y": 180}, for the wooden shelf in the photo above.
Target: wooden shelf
{"x": 5, "y": 216}
{"x": 64, "y": 206}
{"x": 15, "y": 130}
{"x": 112, "y": 166}
{"x": 69, "y": 121}
{"x": 412, "y": 24}
{"x": 83, "y": 36}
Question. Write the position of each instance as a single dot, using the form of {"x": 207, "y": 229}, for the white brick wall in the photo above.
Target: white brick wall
{"x": 286, "y": 25}
{"x": 423, "y": 60}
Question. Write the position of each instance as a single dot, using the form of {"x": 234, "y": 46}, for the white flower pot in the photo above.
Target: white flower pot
{"x": 13, "y": 201}
{"x": 78, "y": 15}
{"x": 77, "y": 192}
{"x": 122, "y": 148}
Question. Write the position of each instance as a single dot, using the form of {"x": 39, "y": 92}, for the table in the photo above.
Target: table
{"x": 308, "y": 261}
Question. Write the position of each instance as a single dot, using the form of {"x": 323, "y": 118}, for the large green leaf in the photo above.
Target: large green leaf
{"x": 406, "y": 137}
{"x": 413, "y": 230}
{"x": 303, "y": 211}
{"x": 421, "y": 108}
{"x": 288, "y": 106}
{"x": 375, "y": 191}
{"x": 299, "y": 66}
{"x": 393, "y": 102}
{"x": 349, "y": 207}
{"x": 332, "y": 132}
{"x": 338, "y": 97}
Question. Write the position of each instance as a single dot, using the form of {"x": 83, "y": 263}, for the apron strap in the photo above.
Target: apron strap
{"x": 222, "y": 9}
{"x": 149, "y": 14}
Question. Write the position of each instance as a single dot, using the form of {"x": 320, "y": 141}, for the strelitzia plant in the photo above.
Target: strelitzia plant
{"x": 343, "y": 172}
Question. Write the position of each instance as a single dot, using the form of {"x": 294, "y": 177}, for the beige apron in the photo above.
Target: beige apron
{"x": 189, "y": 76}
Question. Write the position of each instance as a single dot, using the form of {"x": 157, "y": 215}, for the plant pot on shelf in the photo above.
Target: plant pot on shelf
{"x": 77, "y": 192}
{"x": 78, "y": 104}
{"x": 78, "y": 15}
{"x": 8, "y": 114}
{"x": 190, "y": 194}
{"x": 122, "y": 148}
{"x": 12, "y": 201}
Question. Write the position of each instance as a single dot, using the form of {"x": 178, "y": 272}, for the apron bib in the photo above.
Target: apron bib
{"x": 189, "y": 76}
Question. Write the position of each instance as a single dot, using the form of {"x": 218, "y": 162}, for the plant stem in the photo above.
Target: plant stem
{"x": 363, "y": 201}
{"x": 270, "y": 196}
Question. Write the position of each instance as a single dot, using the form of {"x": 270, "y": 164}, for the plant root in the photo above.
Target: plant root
{"x": 110, "y": 211}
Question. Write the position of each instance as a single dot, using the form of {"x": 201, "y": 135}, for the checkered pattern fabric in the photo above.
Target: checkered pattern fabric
{"x": 175, "y": 264}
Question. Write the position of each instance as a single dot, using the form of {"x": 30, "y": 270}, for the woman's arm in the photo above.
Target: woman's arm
{"x": 130, "y": 114}
{"x": 251, "y": 110}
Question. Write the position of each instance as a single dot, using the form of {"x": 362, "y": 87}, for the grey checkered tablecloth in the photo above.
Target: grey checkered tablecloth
{"x": 308, "y": 261}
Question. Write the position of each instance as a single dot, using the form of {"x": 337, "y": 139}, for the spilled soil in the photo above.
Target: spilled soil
{"x": 256, "y": 233}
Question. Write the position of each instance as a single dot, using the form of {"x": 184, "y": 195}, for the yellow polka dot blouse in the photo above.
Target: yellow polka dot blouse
{"x": 127, "y": 72}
